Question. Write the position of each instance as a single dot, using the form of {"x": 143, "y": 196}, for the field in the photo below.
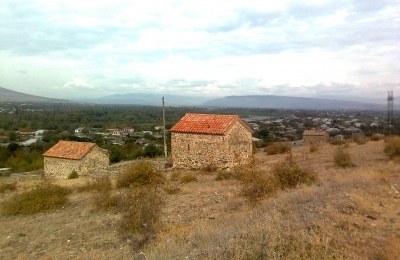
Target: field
{"x": 349, "y": 213}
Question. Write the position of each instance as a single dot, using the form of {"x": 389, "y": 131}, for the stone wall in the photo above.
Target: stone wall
{"x": 60, "y": 168}
{"x": 222, "y": 151}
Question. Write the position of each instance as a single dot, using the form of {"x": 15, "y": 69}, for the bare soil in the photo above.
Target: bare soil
{"x": 351, "y": 213}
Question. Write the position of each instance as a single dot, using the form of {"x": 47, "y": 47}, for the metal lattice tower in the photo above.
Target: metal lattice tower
{"x": 390, "y": 111}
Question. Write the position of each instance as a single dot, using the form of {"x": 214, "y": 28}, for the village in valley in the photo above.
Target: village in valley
{"x": 229, "y": 176}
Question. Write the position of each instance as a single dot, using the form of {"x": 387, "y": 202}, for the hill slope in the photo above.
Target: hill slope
{"x": 271, "y": 101}
{"x": 8, "y": 95}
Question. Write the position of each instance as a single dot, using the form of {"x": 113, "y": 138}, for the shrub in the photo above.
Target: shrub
{"x": 337, "y": 141}
{"x": 7, "y": 186}
{"x": 210, "y": 168}
{"x": 188, "y": 178}
{"x": 73, "y": 175}
{"x": 175, "y": 176}
{"x": 102, "y": 198}
{"x": 278, "y": 148}
{"x": 289, "y": 174}
{"x": 171, "y": 189}
{"x": 314, "y": 147}
{"x": 342, "y": 158}
{"x": 258, "y": 187}
{"x": 141, "y": 217}
{"x": 360, "y": 139}
{"x": 142, "y": 173}
{"x": 224, "y": 176}
{"x": 45, "y": 196}
{"x": 392, "y": 147}
{"x": 376, "y": 137}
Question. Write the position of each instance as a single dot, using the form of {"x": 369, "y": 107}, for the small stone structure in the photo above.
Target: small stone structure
{"x": 315, "y": 136}
{"x": 66, "y": 156}
{"x": 199, "y": 140}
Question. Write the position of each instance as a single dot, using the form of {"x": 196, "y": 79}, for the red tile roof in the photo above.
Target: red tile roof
{"x": 313, "y": 133}
{"x": 70, "y": 150}
{"x": 206, "y": 124}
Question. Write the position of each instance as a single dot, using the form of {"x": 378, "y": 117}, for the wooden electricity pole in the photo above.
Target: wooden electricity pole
{"x": 165, "y": 141}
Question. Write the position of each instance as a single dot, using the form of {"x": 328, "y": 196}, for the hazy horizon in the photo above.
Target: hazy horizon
{"x": 83, "y": 49}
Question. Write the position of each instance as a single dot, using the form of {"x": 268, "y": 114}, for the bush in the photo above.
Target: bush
{"x": 342, "y": 158}
{"x": 171, "y": 189}
{"x": 73, "y": 175}
{"x": 142, "y": 173}
{"x": 188, "y": 178}
{"x": 45, "y": 196}
{"x": 257, "y": 186}
{"x": 337, "y": 141}
{"x": 360, "y": 139}
{"x": 210, "y": 168}
{"x": 376, "y": 137}
{"x": 175, "y": 176}
{"x": 278, "y": 148}
{"x": 102, "y": 198}
{"x": 223, "y": 176}
{"x": 289, "y": 174}
{"x": 314, "y": 147}
{"x": 392, "y": 147}
{"x": 7, "y": 186}
{"x": 141, "y": 217}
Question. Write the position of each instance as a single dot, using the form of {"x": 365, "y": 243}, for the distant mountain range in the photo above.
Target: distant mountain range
{"x": 271, "y": 101}
{"x": 8, "y": 95}
{"x": 253, "y": 101}
{"x": 148, "y": 99}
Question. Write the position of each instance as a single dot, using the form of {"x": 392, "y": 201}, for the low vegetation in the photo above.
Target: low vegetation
{"x": 342, "y": 158}
{"x": 337, "y": 142}
{"x": 7, "y": 186}
{"x": 359, "y": 139}
{"x": 314, "y": 147}
{"x": 73, "y": 175}
{"x": 142, "y": 173}
{"x": 278, "y": 148}
{"x": 171, "y": 189}
{"x": 289, "y": 174}
{"x": 187, "y": 178}
{"x": 392, "y": 147}
{"x": 45, "y": 196}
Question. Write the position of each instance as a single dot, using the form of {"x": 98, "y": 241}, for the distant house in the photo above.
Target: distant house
{"x": 199, "y": 140}
{"x": 116, "y": 132}
{"x": 79, "y": 129}
{"x": 67, "y": 156}
{"x": 128, "y": 130}
{"x": 315, "y": 136}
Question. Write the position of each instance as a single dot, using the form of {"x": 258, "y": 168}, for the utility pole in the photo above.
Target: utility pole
{"x": 390, "y": 111}
{"x": 165, "y": 140}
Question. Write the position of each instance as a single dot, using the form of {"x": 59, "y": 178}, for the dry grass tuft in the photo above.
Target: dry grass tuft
{"x": 225, "y": 175}
{"x": 175, "y": 176}
{"x": 359, "y": 139}
{"x": 314, "y": 147}
{"x": 258, "y": 186}
{"x": 377, "y": 137}
{"x": 171, "y": 189}
{"x": 143, "y": 173}
{"x": 342, "y": 158}
{"x": 210, "y": 168}
{"x": 187, "y": 178}
{"x": 7, "y": 186}
{"x": 102, "y": 198}
{"x": 392, "y": 147}
{"x": 141, "y": 216}
{"x": 337, "y": 141}
{"x": 278, "y": 148}
{"x": 73, "y": 175}
{"x": 289, "y": 174}
{"x": 45, "y": 196}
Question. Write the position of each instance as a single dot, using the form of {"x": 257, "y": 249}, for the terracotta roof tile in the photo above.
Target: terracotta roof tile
{"x": 206, "y": 124}
{"x": 313, "y": 133}
{"x": 69, "y": 150}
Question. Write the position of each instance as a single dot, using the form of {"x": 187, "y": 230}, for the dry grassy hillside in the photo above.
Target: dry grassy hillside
{"x": 349, "y": 213}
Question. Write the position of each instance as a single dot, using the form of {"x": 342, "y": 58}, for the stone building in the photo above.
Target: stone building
{"x": 66, "y": 156}
{"x": 199, "y": 140}
{"x": 315, "y": 136}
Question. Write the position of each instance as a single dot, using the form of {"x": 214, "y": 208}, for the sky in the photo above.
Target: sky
{"x": 314, "y": 48}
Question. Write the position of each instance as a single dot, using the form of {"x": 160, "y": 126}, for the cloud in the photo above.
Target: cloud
{"x": 76, "y": 84}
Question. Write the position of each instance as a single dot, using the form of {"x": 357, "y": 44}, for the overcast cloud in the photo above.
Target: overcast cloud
{"x": 80, "y": 49}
